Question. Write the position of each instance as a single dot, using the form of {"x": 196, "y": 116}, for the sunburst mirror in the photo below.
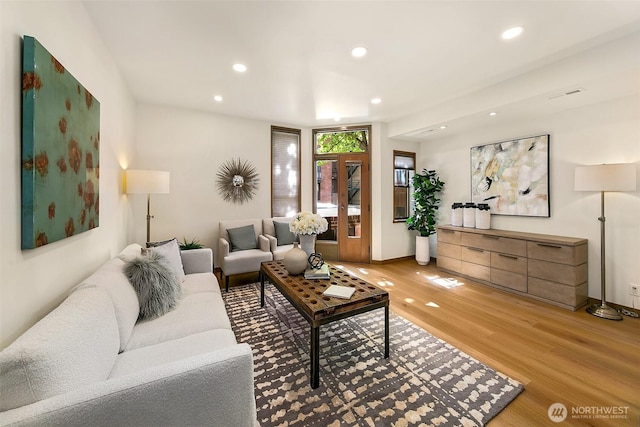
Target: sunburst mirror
{"x": 237, "y": 181}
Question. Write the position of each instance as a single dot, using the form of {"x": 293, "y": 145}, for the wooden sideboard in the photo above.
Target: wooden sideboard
{"x": 553, "y": 269}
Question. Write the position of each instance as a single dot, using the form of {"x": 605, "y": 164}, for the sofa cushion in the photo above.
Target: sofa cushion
{"x": 283, "y": 234}
{"x": 155, "y": 283}
{"x": 158, "y": 354}
{"x": 171, "y": 251}
{"x": 200, "y": 282}
{"x": 194, "y": 313}
{"x": 110, "y": 277}
{"x": 242, "y": 238}
{"x": 73, "y": 346}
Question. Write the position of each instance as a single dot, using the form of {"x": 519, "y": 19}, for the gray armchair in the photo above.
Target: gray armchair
{"x": 241, "y": 250}
{"x": 279, "y": 246}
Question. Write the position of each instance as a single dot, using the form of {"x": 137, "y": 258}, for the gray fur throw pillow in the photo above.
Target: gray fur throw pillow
{"x": 155, "y": 283}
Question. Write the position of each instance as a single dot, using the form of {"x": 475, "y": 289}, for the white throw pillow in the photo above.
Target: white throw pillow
{"x": 171, "y": 251}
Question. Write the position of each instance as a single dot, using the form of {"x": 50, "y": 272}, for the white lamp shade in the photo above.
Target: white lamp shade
{"x": 147, "y": 182}
{"x": 613, "y": 177}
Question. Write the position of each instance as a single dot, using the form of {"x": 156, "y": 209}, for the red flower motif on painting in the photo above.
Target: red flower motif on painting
{"x": 57, "y": 65}
{"x": 52, "y": 210}
{"x": 31, "y": 80}
{"x": 80, "y": 189}
{"x": 62, "y": 164}
{"x": 92, "y": 224}
{"x": 89, "y": 194}
{"x": 69, "y": 228}
{"x": 83, "y": 216}
{"x": 67, "y": 104}
{"x": 63, "y": 125}
{"x": 75, "y": 155}
{"x": 41, "y": 240}
{"x": 42, "y": 163}
{"x": 89, "y": 160}
{"x": 88, "y": 98}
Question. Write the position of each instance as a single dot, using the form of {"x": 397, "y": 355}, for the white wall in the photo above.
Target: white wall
{"x": 602, "y": 133}
{"x": 192, "y": 146}
{"x": 390, "y": 239}
{"x": 32, "y": 282}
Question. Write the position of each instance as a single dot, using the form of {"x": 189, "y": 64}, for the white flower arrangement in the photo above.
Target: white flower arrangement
{"x": 307, "y": 223}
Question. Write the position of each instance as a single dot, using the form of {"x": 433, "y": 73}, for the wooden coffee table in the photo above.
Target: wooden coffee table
{"x": 306, "y": 296}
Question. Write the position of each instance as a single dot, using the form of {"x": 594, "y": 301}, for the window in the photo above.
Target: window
{"x": 404, "y": 165}
{"x": 285, "y": 171}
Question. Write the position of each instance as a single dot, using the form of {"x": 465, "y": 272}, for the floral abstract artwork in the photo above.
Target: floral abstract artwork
{"x": 512, "y": 176}
{"x": 60, "y": 150}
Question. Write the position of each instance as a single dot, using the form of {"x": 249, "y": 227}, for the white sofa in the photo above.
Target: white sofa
{"x": 90, "y": 363}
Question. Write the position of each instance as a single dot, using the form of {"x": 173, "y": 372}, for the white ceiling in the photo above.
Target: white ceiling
{"x": 422, "y": 56}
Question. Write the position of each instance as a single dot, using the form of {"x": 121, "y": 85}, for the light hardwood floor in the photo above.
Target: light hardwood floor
{"x": 561, "y": 356}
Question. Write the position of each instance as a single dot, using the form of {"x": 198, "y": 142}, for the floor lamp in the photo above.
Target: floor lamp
{"x": 147, "y": 182}
{"x": 603, "y": 178}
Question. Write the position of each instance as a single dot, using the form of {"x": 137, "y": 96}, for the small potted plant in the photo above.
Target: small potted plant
{"x": 193, "y": 244}
{"x": 427, "y": 186}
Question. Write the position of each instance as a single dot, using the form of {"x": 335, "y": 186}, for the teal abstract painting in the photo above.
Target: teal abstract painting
{"x": 60, "y": 150}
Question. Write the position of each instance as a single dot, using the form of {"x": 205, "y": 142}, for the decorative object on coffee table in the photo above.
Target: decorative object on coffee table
{"x": 307, "y": 226}
{"x": 295, "y": 260}
{"x": 237, "y": 181}
{"x": 612, "y": 177}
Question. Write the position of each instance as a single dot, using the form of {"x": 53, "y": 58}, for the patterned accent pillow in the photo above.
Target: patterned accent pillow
{"x": 242, "y": 238}
{"x": 155, "y": 283}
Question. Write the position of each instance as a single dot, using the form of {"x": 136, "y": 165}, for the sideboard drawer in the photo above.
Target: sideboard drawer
{"x": 450, "y": 264}
{"x": 448, "y": 236}
{"x": 571, "y": 255}
{"x": 495, "y": 243}
{"x": 571, "y": 296}
{"x": 476, "y": 271}
{"x": 449, "y": 250}
{"x": 509, "y": 262}
{"x": 476, "y": 256}
{"x": 509, "y": 279}
{"x": 560, "y": 273}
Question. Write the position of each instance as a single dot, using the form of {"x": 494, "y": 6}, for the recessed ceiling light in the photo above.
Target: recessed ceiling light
{"x": 376, "y": 101}
{"x": 443, "y": 127}
{"x": 512, "y": 32}
{"x": 240, "y": 68}
{"x": 493, "y": 113}
{"x": 358, "y": 52}
{"x": 217, "y": 98}
{"x": 337, "y": 119}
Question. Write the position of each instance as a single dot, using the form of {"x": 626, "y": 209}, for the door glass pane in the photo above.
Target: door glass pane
{"x": 327, "y": 196}
{"x": 354, "y": 171}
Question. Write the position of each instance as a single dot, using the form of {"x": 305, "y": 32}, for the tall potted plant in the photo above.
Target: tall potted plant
{"x": 427, "y": 186}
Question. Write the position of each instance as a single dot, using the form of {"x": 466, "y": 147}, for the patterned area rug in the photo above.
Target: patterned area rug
{"x": 425, "y": 381}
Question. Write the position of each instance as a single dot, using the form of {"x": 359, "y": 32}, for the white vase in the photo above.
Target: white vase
{"x": 295, "y": 260}
{"x": 308, "y": 243}
{"x": 422, "y": 250}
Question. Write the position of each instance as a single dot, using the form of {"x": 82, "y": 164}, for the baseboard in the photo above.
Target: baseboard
{"x": 392, "y": 260}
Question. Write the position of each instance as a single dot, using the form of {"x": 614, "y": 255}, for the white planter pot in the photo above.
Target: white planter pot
{"x": 422, "y": 250}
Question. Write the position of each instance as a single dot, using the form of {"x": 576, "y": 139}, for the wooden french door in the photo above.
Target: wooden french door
{"x": 354, "y": 208}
